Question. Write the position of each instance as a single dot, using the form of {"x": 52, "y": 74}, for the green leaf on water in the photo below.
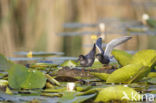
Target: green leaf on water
{"x": 152, "y": 80}
{"x": 152, "y": 74}
{"x": 71, "y": 97}
{"x": 83, "y": 88}
{"x": 127, "y": 73}
{"x": 122, "y": 57}
{"x": 119, "y": 92}
{"x": 21, "y": 77}
{"x": 102, "y": 76}
{"x": 69, "y": 63}
{"x": 142, "y": 72}
{"x": 145, "y": 57}
{"x": 4, "y": 63}
{"x": 96, "y": 65}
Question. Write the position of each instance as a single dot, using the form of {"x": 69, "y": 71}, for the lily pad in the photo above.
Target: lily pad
{"x": 127, "y": 73}
{"x": 120, "y": 93}
{"x": 84, "y": 88}
{"x": 145, "y": 57}
{"x": 152, "y": 74}
{"x": 71, "y": 97}
{"x": 4, "y": 63}
{"x": 69, "y": 63}
{"x": 152, "y": 80}
{"x": 96, "y": 65}
{"x": 102, "y": 76}
{"x": 122, "y": 57}
{"x": 21, "y": 77}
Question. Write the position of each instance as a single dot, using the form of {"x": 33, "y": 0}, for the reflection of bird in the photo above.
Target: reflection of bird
{"x": 104, "y": 56}
{"x": 88, "y": 59}
{"x": 148, "y": 21}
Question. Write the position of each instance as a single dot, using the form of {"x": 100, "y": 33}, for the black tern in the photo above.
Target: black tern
{"x": 88, "y": 59}
{"x": 105, "y": 56}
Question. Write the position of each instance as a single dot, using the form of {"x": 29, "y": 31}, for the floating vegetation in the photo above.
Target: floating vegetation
{"x": 32, "y": 54}
{"x": 90, "y": 84}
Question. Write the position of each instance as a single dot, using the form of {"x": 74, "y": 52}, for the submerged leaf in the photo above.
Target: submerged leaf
{"x": 117, "y": 93}
{"x": 126, "y": 73}
{"x": 69, "y": 63}
{"x": 21, "y": 77}
{"x": 122, "y": 57}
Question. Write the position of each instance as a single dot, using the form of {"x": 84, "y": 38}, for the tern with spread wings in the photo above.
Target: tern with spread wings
{"x": 104, "y": 56}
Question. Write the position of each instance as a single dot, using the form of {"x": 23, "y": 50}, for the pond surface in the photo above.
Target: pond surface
{"x": 23, "y": 96}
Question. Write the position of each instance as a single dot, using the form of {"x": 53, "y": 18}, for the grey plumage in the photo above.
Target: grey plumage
{"x": 88, "y": 59}
{"x": 104, "y": 56}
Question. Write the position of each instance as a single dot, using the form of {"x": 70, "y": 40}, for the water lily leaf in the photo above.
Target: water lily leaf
{"x": 96, "y": 65}
{"x": 102, "y": 76}
{"x": 60, "y": 90}
{"x": 145, "y": 57}
{"x": 82, "y": 89}
{"x": 17, "y": 75}
{"x": 21, "y": 77}
{"x": 152, "y": 80}
{"x": 35, "y": 79}
{"x": 69, "y": 63}
{"x": 126, "y": 73}
{"x": 51, "y": 95}
{"x": 90, "y": 91}
{"x": 52, "y": 80}
{"x": 152, "y": 74}
{"x": 122, "y": 57}
{"x": 4, "y": 63}
{"x": 120, "y": 93}
{"x": 43, "y": 65}
{"x": 142, "y": 72}
{"x": 70, "y": 97}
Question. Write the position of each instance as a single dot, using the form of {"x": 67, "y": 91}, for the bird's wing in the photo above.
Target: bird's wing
{"x": 92, "y": 53}
{"x": 99, "y": 45}
{"x": 115, "y": 42}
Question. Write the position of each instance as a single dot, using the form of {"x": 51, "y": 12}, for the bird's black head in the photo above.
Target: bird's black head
{"x": 99, "y": 57}
{"x": 81, "y": 57}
